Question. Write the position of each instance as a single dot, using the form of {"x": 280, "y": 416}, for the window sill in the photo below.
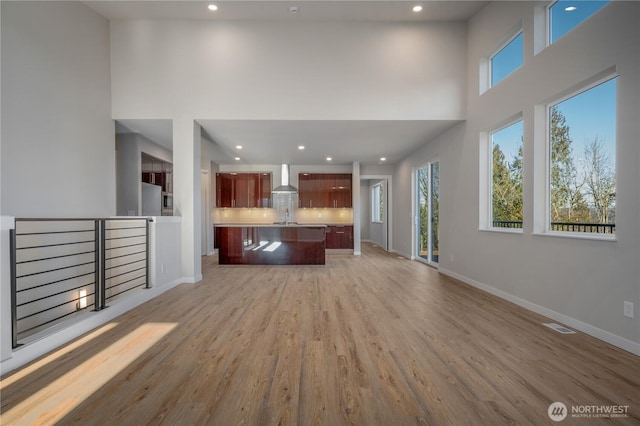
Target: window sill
{"x": 377, "y": 221}
{"x": 577, "y": 236}
{"x": 517, "y": 231}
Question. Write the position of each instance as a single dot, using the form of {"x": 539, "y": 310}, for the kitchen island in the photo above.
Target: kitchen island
{"x": 271, "y": 244}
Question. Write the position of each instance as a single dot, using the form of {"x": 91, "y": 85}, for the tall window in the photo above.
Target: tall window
{"x": 428, "y": 212}
{"x": 377, "y": 203}
{"x": 582, "y": 161}
{"x": 507, "y": 59}
{"x": 506, "y": 177}
{"x": 564, "y": 15}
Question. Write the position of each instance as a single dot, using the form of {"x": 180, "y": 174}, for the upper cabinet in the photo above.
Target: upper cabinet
{"x": 331, "y": 190}
{"x": 243, "y": 190}
{"x": 157, "y": 172}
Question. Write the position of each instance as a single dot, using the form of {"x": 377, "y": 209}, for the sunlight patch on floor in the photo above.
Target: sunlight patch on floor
{"x": 52, "y": 403}
{"x": 32, "y": 368}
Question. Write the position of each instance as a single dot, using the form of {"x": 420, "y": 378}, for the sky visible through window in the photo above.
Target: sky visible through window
{"x": 590, "y": 114}
{"x": 506, "y": 60}
{"x": 567, "y": 14}
{"x": 509, "y": 139}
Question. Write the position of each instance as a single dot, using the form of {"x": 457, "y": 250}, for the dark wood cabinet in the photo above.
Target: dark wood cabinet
{"x": 324, "y": 190}
{"x": 296, "y": 245}
{"x": 243, "y": 190}
{"x": 341, "y": 190}
{"x": 157, "y": 172}
{"x": 339, "y": 237}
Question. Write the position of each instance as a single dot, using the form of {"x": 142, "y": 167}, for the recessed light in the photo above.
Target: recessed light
{"x": 212, "y": 7}
{"x": 570, "y": 8}
{"x": 238, "y": 146}
{"x": 417, "y": 8}
{"x": 300, "y": 147}
{"x": 383, "y": 158}
{"x": 294, "y": 9}
{"x": 237, "y": 158}
{"x": 329, "y": 158}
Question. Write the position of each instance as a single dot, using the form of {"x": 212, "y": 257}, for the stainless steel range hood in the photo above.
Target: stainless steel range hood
{"x": 284, "y": 187}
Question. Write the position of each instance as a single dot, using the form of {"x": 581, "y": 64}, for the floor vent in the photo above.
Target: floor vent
{"x": 559, "y": 328}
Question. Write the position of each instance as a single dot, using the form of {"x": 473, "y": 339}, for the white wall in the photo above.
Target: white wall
{"x": 236, "y": 69}
{"x": 57, "y": 132}
{"x": 166, "y": 255}
{"x": 582, "y": 283}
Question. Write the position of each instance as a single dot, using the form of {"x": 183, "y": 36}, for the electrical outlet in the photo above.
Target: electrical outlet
{"x": 162, "y": 268}
{"x": 628, "y": 309}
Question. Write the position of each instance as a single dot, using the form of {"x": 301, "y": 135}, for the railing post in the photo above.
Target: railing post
{"x": 103, "y": 291}
{"x": 147, "y": 221}
{"x": 97, "y": 244}
{"x": 14, "y": 288}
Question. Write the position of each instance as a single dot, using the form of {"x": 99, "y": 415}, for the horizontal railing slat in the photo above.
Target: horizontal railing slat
{"x": 44, "y": 250}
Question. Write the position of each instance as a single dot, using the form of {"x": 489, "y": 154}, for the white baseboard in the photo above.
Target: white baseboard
{"x": 589, "y": 329}
{"x": 68, "y": 332}
{"x": 192, "y": 280}
{"x": 399, "y": 253}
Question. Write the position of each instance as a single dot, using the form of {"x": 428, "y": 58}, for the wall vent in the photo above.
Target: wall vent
{"x": 559, "y": 328}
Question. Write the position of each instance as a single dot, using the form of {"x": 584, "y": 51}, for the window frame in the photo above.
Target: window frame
{"x": 573, "y": 92}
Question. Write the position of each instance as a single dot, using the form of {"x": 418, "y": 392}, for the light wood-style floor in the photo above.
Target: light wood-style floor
{"x": 370, "y": 340}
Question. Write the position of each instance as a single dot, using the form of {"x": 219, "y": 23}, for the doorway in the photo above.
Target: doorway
{"x": 376, "y": 213}
{"x": 427, "y": 211}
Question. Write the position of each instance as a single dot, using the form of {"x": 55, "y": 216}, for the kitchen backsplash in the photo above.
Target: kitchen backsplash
{"x": 262, "y": 215}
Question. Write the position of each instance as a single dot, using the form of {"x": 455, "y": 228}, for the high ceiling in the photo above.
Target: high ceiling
{"x": 277, "y": 141}
{"x": 331, "y": 10}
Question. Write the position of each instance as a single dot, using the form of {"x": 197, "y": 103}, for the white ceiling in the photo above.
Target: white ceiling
{"x": 333, "y": 10}
{"x": 276, "y": 141}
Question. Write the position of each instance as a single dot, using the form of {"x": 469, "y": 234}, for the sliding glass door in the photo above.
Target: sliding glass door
{"x": 427, "y": 211}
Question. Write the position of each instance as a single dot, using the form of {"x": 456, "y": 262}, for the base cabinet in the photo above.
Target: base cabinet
{"x": 271, "y": 245}
{"x": 339, "y": 237}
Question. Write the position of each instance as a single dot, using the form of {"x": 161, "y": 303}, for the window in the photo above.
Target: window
{"x": 506, "y": 177}
{"x": 582, "y": 161}
{"x": 507, "y": 59}
{"x": 377, "y": 203}
{"x": 565, "y": 15}
{"x": 427, "y": 214}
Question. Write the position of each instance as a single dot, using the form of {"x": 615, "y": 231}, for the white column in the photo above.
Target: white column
{"x": 186, "y": 193}
{"x": 355, "y": 193}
